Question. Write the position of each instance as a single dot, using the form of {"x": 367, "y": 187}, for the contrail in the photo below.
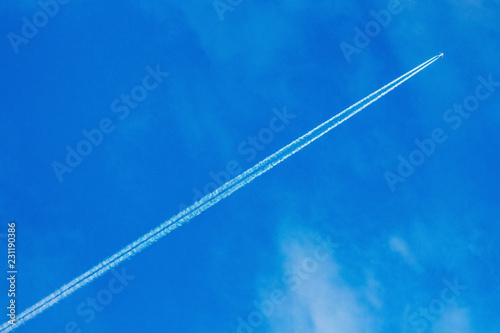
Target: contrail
{"x": 209, "y": 200}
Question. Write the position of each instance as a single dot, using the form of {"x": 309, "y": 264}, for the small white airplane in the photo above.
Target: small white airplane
{"x": 441, "y": 54}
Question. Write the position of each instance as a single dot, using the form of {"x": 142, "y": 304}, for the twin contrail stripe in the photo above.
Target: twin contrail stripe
{"x": 209, "y": 200}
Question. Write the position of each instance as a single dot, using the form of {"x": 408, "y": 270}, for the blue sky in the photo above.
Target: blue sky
{"x": 321, "y": 243}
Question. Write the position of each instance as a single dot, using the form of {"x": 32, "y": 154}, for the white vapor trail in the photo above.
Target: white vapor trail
{"x": 209, "y": 200}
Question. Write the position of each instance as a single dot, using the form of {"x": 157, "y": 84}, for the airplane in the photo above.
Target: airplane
{"x": 441, "y": 54}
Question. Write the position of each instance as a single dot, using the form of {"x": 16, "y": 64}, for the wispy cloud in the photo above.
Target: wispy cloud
{"x": 455, "y": 320}
{"x": 323, "y": 303}
{"x": 400, "y": 246}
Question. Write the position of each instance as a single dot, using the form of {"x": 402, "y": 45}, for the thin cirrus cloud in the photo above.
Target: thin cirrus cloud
{"x": 322, "y": 303}
{"x": 400, "y": 246}
{"x": 456, "y": 320}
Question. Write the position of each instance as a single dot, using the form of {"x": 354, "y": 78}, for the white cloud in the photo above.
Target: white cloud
{"x": 400, "y": 246}
{"x": 323, "y": 302}
{"x": 455, "y": 320}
